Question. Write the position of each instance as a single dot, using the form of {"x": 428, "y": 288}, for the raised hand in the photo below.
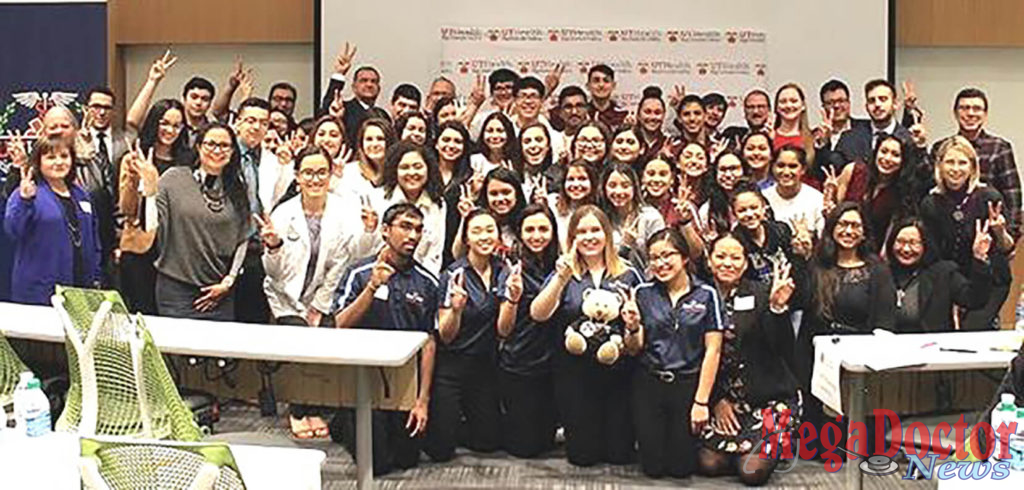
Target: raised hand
{"x": 27, "y": 187}
{"x": 553, "y": 78}
{"x": 717, "y": 148}
{"x": 782, "y": 285}
{"x": 142, "y": 165}
{"x": 457, "y": 290}
{"x": 830, "y": 189}
{"x": 982, "y": 240}
{"x": 630, "y": 119}
{"x": 467, "y": 203}
{"x": 16, "y": 149}
{"x": 268, "y": 234}
{"x": 565, "y": 262}
{"x": 477, "y": 95}
{"x": 344, "y": 156}
{"x": 631, "y": 232}
{"x": 823, "y": 132}
{"x": 539, "y": 193}
{"x": 996, "y": 220}
{"x": 802, "y": 241}
{"x": 298, "y": 141}
{"x": 676, "y": 97}
{"x": 246, "y": 84}
{"x": 343, "y": 62}
{"x": 158, "y": 70}
{"x": 367, "y": 214}
{"x": 682, "y": 202}
{"x": 382, "y": 270}
{"x": 235, "y": 77}
{"x": 909, "y": 94}
{"x": 514, "y": 283}
{"x": 629, "y": 311}
{"x": 337, "y": 107}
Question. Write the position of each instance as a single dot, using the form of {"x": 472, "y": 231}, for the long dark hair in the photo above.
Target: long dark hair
{"x": 626, "y": 170}
{"x": 502, "y": 174}
{"x": 637, "y": 131}
{"x": 563, "y": 203}
{"x": 151, "y": 126}
{"x": 234, "y": 182}
{"x": 719, "y": 199}
{"x": 462, "y": 170}
{"x": 520, "y": 163}
{"x": 432, "y": 187}
{"x": 385, "y": 127}
{"x": 931, "y": 253}
{"x": 510, "y": 150}
{"x": 826, "y": 256}
{"x": 543, "y": 263}
{"x": 329, "y": 120}
{"x": 909, "y": 184}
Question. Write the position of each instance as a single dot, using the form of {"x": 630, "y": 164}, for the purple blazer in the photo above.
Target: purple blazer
{"x": 43, "y": 254}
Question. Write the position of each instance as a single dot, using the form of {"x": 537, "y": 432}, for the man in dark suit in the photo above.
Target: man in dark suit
{"x": 835, "y": 99}
{"x": 365, "y": 86}
{"x": 103, "y": 147}
{"x": 880, "y": 102}
{"x": 757, "y": 107}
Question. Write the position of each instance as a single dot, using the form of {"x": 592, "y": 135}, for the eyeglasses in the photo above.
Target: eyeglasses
{"x": 852, "y": 225}
{"x": 209, "y": 145}
{"x": 665, "y": 257}
{"x": 529, "y": 96}
{"x": 837, "y": 102}
{"x": 591, "y": 141}
{"x": 908, "y": 243}
{"x": 101, "y": 107}
{"x": 971, "y": 108}
{"x": 574, "y": 107}
{"x": 309, "y": 174}
{"x": 282, "y": 98}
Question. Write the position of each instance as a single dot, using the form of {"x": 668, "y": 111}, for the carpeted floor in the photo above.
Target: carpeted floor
{"x": 500, "y": 471}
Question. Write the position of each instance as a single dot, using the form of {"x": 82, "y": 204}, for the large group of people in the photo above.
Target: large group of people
{"x": 643, "y": 278}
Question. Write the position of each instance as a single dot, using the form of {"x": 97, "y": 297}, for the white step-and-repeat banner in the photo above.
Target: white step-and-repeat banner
{"x": 730, "y": 61}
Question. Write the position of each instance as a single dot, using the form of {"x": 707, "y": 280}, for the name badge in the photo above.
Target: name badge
{"x": 86, "y": 206}
{"x": 743, "y": 303}
{"x": 381, "y": 293}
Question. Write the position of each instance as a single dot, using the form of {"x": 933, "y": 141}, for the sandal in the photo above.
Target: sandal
{"x": 301, "y": 428}
{"x": 319, "y": 428}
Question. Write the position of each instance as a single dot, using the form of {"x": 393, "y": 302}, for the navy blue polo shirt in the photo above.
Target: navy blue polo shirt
{"x": 408, "y": 301}
{"x": 527, "y": 349}
{"x": 570, "y": 306}
{"x": 478, "y": 326}
{"x": 674, "y": 334}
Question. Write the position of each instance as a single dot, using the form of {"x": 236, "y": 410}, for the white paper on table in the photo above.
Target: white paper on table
{"x": 825, "y": 376}
{"x": 889, "y": 351}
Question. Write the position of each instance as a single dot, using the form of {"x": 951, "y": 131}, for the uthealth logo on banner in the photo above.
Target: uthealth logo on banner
{"x": 779, "y": 444}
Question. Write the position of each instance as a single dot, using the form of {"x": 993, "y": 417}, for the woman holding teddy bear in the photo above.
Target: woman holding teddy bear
{"x": 593, "y": 396}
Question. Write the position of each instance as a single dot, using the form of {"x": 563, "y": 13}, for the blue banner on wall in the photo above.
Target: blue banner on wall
{"x": 50, "y": 53}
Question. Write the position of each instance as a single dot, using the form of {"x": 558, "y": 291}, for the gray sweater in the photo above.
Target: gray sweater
{"x": 196, "y": 245}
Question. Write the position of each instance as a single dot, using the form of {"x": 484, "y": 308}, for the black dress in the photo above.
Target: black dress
{"x": 755, "y": 371}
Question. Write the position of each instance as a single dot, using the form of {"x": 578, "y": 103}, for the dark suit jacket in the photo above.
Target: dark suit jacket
{"x": 941, "y": 284}
{"x": 355, "y": 113}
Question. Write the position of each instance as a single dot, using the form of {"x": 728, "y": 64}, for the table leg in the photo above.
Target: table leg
{"x": 364, "y": 430}
{"x": 855, "y": 413}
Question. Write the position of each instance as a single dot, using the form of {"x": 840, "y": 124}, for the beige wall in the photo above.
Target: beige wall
{"x": 272, "y": 62}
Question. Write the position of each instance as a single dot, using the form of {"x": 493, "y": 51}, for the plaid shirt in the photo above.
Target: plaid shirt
{"x": 999, "y": 170}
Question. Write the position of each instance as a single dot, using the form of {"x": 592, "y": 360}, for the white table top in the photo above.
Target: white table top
{"x": 363, "y": 347}
{"x": 858, "y": 351}
{"x": 51, "y": 461}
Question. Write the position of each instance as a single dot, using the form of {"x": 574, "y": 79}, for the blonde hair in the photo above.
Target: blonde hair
{"x": 961, "y": 144}
{"x": 612, "y": 262}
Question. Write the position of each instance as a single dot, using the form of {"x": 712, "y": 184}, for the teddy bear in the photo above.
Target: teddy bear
{"x": 600, "y": 307}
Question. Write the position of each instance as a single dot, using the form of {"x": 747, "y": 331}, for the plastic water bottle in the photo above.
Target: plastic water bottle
{"x": 31, "y": 407}
{"x": 1004, "y": 413}
{"x": 1016, "y": 443}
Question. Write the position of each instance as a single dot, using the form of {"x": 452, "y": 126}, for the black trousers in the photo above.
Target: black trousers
{"x": 661, "y": 413}
{"x": 465, "y": 388}
{"x": 392, "y": 446}
{"x": 594, "y": 406}
{"x": 250, "y": 301}
{"x": 138, "y": 281}
{"x": 528, "y": 413}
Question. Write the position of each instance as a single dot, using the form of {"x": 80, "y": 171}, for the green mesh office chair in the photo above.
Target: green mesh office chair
{"x": 120, "y": 385}
{"x": 10, "y": 368}
{"x": 116, "y": 464}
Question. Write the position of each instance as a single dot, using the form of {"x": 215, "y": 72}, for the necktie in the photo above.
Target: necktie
{"x": 101, "y": 139}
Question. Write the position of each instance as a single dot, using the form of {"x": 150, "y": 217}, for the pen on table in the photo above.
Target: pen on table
{"x": 965, "y": 351}
{"x": 929, "y": 344}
